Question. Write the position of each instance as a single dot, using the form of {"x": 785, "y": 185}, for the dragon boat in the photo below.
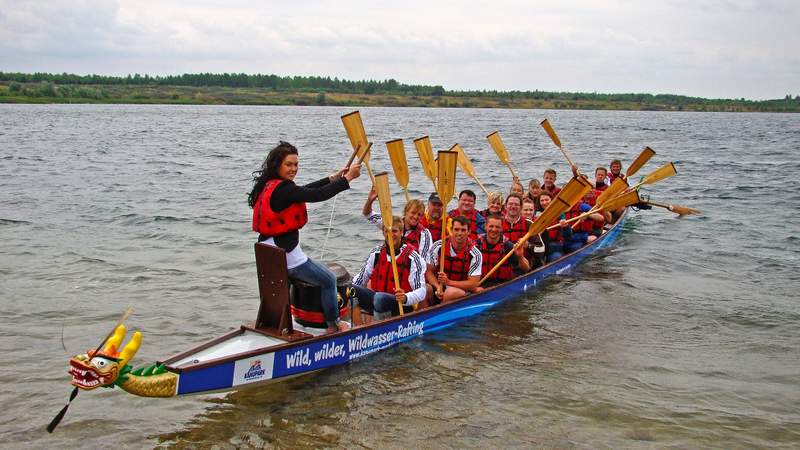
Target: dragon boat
{"x": 284, "y": 341}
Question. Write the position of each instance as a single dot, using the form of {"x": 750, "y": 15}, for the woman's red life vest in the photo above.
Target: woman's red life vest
{"x": 492, "y": 253}
{"x": 457, "y": 267}
{"x": 515, "y": 232}
{"x": 382, "y": 278}
{"x": 435, "y": 228}
{"x": 413, "y": 236}
{"x": 271, "y": 223}
{"x": 612, "y": 177}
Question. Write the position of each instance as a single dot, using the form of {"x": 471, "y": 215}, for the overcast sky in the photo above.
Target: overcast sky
{"x": 714, "y": 48}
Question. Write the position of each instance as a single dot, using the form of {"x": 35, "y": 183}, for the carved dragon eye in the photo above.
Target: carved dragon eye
{"x": 99, "y": 362}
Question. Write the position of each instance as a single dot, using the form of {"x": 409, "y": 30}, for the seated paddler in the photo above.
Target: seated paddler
{"x": 414, "y": 232}
{"x": 279, "y": 212}
{"x": 461, "y": 271}
{"x": 466, "y": 208}
{"x": 376, "y": 294}
{"x": 493, "y": 247}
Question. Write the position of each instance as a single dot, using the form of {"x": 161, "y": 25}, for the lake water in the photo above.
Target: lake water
{"x": 685, "y": 335}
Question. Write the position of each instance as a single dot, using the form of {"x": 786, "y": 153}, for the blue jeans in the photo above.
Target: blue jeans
{"x": 379, "y": 304}
{"x": 315, "y": 273}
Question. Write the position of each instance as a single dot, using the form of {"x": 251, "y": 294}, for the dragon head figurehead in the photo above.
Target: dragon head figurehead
{"x": 98, "y": 368}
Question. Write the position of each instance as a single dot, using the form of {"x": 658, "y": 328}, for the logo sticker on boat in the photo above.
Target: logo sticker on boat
{"x": 253, "y": 369}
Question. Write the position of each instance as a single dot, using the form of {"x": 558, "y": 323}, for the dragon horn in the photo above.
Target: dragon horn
{"x": 113, "y": 343}
{"x": 130, "y": 349}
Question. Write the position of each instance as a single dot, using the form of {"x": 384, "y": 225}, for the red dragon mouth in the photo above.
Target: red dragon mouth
{"x": 88, "y": 377}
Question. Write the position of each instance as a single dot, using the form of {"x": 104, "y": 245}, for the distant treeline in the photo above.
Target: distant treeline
{"x": 235, "y": 80}
{"x": 241, "y": 88}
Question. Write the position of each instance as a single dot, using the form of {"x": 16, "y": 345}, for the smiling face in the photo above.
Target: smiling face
{"x": 288, "y": 168}
{"x": 466, "y": 203}
{"x": 616, "y": 167}
{"x": 411, "y": 219}
{"x": 513, "y": 207}
{"x": 549, "y": 179}
{"x": 527, "y": 210}
{"x": 495, "y": 206}
{"x": 435, "y": 210}
{"x": 397, "y": 236}
{"x": 544, "y": 200}
{"x": 460, "y": 235}
{"x": 494, "y": 230}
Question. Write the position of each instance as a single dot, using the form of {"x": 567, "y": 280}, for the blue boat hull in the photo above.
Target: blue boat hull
{"x": 281, "y": 362}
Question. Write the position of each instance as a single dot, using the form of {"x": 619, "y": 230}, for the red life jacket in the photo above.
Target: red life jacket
{"x": 382, "y": 279}
{"x": 268, "y": 222}
{"x": 515, "y": 232}
{"x": 435, "y": 228}
{"x": 553, "y": 192}
{"x": 492, "y": 253}
{"x": 457, "y": 267}
{"x": 612, "y": 177}
{"x": 413, "y": 236}
{"x": 599, "y": 189}
{"x": 473, "y": 221}
{"x": 555, "y": 235}
{"x": 585, "y": 225}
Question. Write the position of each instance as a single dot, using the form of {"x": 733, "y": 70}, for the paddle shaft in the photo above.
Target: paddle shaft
{"x": 394, "y": 267}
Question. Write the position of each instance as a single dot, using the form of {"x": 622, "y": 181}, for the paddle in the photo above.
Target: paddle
{"x": 466, "y": 166}
{"x": 355, "y": 131}
{"x": 500, "y": 148}
{"x": 446, "y": 189}
{"x": 397, "y": 154}
{"x": 570, "y": 194}
{"x": 385, "y": 200}
{"x": 665, "y": 171}
{"x": 677, "y": 209}
{"x": 621, "y": 201}
{"x": 554, "y": 137}
{"x": 57, "y": 419}
{"x": 363, "y": 158}
{"x": 640, "y": 161}
{"x": 425, "y": 152}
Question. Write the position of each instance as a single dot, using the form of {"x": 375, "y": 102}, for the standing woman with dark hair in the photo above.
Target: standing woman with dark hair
{"x": 279, "y": 211}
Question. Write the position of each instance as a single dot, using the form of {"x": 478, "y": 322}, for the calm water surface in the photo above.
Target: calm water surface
{"x": 685, "y": 335}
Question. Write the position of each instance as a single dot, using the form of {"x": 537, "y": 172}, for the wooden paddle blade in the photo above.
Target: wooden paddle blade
{"x": 551, "y": 132}
{"x": 616, "y": 187}
{"x": 570, "y": 194}
{"x": 677, "y": 209}
{"x": 665, "y": 171}
{"x": 622, "y": 201}
{"x": 397, "y": 155}
{"x": 446, "y": 185}
{"x": 355, "y": 129}
{"x": 384, "y": 198}
{"x": 499, "y": 147}
{"x": 425, "y": 152}
{"x": 463, "y": 161}
{"x": 640, "y": 161}
{"x": 684, "y": 211}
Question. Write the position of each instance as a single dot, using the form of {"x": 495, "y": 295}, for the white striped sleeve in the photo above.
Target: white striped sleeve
{"x": 366, "y": 271}
{"x": 477, "y": 262}
{"x": 433, "y": 255}
{"x": 425, "y": 243}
